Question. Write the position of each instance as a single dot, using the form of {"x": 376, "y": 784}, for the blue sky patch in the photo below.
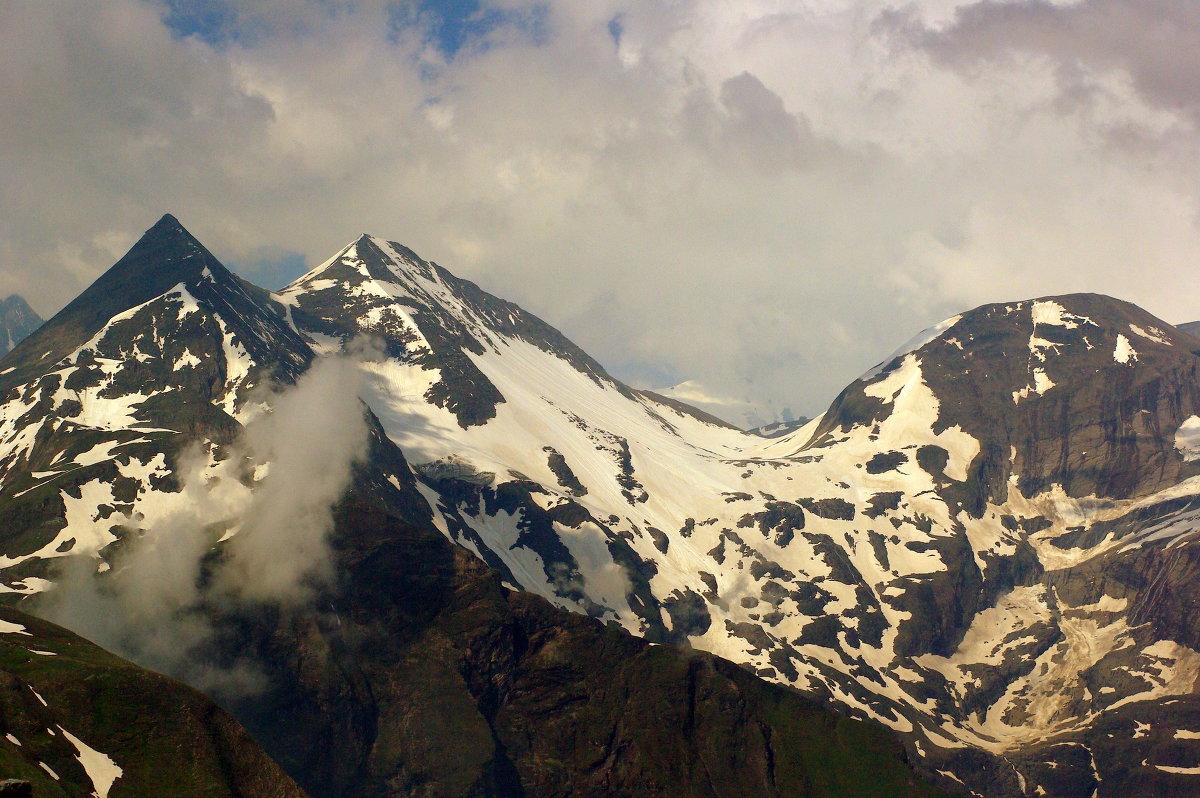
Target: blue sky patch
{"x": 454, "y": 26}
{"x": 272, "y": 268}
{"x": 615, "y": 29}
{"x": 212, "y": 21}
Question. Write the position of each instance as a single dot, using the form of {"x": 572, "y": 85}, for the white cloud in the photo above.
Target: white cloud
{"x": 155, "y": 606}
{"x": 764, "y": 196}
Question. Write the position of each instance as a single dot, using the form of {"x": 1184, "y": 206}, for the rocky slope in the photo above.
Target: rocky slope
{"x": 17, "y": 321}
{"x": 76, "y": 720}
{"x": 164, "y": 469}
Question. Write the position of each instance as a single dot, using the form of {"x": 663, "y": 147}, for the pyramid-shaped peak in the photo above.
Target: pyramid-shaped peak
{"x": 165, "y": 256}
{"x": 168, "y": 221}
{"x": 167, "y": 231}
{"x": 15, "y": 303}
{"x": 366, "y": 259}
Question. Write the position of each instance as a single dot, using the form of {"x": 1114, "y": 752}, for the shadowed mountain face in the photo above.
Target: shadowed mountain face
{"x": 421, "y": 675}
{"x": 162, "y": 465}
{"x": 17, "y": 321}
{"x": 986, "y": 544}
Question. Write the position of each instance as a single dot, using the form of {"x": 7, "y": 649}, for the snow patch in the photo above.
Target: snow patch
{"x": 1055, "y": 315}
{"x": 1193, "y": 771}
{"x": 1187, "y": 438}
{"x": 99, "y": 767}
{"x": 1153, "y": 334}
{"x": 1124, "y": 353}
{"x": 9, "y": 628}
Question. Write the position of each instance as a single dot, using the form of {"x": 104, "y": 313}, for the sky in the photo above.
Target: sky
{"x": 763, "y": 196}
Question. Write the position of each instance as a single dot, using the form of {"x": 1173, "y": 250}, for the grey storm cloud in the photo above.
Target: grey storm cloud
{"x": 1152, "y": 41}
{"x": 764, "y": 197}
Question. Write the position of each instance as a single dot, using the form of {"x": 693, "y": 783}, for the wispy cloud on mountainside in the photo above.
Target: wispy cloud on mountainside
{"x": 765, "y": 197}
{"x": 154, "y": 606}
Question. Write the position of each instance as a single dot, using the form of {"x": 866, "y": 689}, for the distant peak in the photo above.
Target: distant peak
{"x": 15, "y": 302}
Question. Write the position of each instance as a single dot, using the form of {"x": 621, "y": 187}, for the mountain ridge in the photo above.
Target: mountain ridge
{"x": 984, "y": 545}
{"x": 159, "y": 453}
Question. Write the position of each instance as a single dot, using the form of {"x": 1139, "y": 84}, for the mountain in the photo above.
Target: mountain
{"x": 184, "y": 481}
{"x": 986, "y": 544}
{"x": 17, "y": 321}
{"x": 1191, "y": 328}
{"x": 780, "y": 428}
{"x": 77, "y": 720}
{"x": 97, "y": 402}
{"x": 927, "y": 554}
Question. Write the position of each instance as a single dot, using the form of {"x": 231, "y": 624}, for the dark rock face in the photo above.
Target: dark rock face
{"x": 17, "y": 321}
{"x": 437, "y": 681}
{"x": 59, "y": 692}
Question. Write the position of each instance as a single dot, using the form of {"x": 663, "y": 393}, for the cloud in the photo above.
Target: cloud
{"x": 162, "y": 601}
{"x": 1152, "y": 41}
{"x": 309, "y": 440}
{"x": 766, "y": 197}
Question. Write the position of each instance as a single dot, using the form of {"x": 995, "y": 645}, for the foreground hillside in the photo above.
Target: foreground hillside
{"x": 76, "y": 720}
